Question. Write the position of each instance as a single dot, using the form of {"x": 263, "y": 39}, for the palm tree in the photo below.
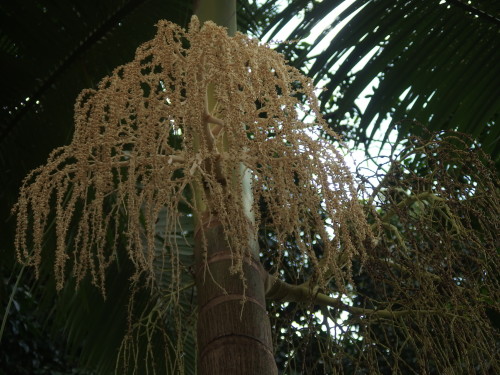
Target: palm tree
{"x": 153, "y": 309}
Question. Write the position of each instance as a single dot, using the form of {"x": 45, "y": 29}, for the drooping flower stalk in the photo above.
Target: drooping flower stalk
{"x": 144, "y": 137}
{"x": 147, "y": 140}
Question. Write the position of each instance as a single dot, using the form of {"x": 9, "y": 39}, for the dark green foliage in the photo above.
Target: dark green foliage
{"x": 27, "y": 347}
{"x": 445, "y": 53}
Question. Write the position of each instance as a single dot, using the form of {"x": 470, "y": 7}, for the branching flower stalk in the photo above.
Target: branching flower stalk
{"x": 145, "y": 140}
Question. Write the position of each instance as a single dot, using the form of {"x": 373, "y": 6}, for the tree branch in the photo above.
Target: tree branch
{"x": 280, "y": 291}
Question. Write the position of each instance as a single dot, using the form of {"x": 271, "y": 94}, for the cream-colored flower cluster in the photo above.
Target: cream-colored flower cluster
{"x": 148, "y": 138}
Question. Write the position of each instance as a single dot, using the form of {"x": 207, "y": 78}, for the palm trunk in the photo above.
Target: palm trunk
{"x": 234, "y": 332}
{"x": 234, "y": 337}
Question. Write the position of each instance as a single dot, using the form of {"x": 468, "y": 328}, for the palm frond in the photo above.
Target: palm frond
{"x": 434, "y": 62}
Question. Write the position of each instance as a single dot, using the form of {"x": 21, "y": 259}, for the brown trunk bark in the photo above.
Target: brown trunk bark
{"x": 233, "y": 337}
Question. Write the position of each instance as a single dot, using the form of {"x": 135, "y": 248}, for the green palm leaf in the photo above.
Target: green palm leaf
{"x": 435, "y": 62}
